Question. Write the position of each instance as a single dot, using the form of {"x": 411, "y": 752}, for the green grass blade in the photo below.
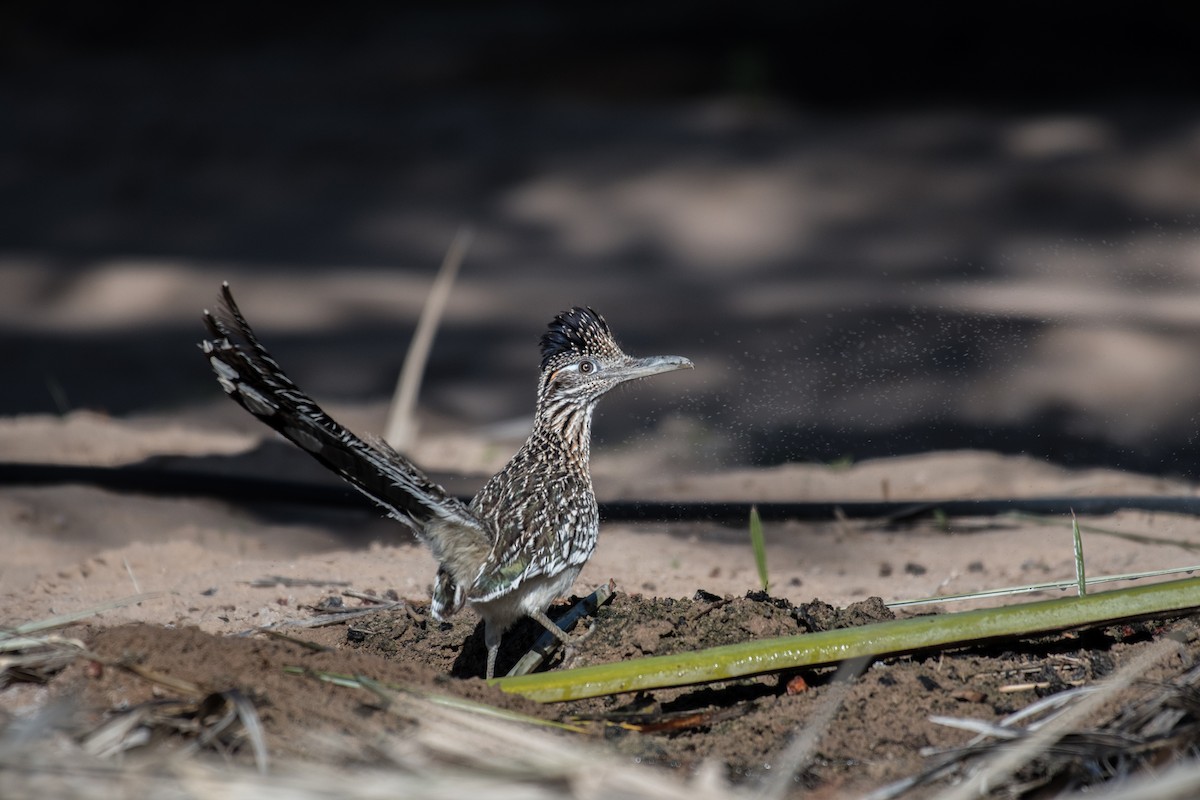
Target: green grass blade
{"x": 760, "y": 547}
{"x": 1080, "y": 576}
{"x": 872, "y": 641}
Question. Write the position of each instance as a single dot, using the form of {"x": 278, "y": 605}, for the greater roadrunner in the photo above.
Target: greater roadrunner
{"x": 524, "y": 538}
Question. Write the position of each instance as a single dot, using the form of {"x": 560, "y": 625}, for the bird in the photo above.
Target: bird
{"x": 521, "y": 542}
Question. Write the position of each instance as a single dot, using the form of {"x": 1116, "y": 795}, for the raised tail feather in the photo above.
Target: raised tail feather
{"x": 248, "y": 374}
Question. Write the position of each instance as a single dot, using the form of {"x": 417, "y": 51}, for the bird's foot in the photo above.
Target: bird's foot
{"x": 571, "y": 647}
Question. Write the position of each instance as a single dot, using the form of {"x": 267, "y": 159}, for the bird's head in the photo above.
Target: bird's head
{"x": 581, "y": 360}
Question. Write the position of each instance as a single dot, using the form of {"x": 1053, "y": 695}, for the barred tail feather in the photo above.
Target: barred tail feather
{"x": 249, "y": 375}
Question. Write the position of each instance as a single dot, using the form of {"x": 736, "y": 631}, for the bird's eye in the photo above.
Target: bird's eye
{"x": 587, "y": 366}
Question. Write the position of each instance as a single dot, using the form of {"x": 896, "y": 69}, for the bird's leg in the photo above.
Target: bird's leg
{"x": 491, "y": 637}
{"x": 551, "y": 626}
{"x": 569, "y": 642}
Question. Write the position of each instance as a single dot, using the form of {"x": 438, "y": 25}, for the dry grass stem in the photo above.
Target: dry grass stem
{"x": 401, "y": 426}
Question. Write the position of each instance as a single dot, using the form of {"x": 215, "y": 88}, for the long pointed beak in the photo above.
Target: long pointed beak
{"x": 653, "y": 365}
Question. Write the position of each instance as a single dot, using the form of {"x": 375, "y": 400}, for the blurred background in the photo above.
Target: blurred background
{"x": 876, "y": 230}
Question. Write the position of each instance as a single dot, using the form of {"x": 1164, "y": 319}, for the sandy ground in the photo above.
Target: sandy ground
{"x": 69, "y": 547}
{"x": 218, "y": 569}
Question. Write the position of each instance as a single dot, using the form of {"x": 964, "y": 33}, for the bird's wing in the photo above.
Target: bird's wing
{"x": 543, "y": 523}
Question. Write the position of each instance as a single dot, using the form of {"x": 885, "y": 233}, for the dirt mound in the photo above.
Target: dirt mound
{"x": 876, "y": 736}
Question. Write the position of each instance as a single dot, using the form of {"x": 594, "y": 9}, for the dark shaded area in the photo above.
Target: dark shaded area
{"x": 239, "y": 479}
{"x": 168, "y": 132}
{"x": 291, "y": 145}
{"x": 834, "y": 55}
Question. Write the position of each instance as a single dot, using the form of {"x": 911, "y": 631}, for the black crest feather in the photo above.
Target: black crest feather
{"x": 575, "y": 332}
